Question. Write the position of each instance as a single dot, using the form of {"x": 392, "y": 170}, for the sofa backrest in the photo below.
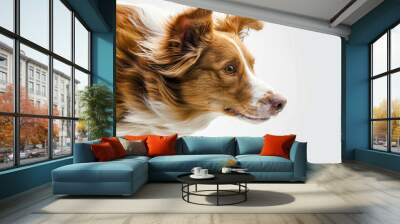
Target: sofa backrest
{"x": 83, "y": 152}
{"x": 193, "y": 145}
{"x": 249, "y": 145}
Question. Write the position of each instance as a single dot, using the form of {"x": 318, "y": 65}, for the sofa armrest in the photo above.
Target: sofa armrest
{"x": 298, "y": 155}
{"x": 83, "y": 152}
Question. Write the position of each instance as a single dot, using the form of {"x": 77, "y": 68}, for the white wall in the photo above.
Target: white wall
{"x": 305, "y": 67}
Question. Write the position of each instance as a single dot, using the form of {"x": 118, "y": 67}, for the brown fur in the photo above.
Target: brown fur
{"x": 186, "y": 71}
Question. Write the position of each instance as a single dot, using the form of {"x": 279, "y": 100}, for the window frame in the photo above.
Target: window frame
{"x": 16, "y": 114}
{"x": 388, "y": 74}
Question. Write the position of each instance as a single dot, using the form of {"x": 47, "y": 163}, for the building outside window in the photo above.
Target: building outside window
{"x": 57, "y": 128}
{"x": 30, "y": 72}
{"x": 43, "y": 90}
{"x": 30, "y": 87}
{"x": 3, "y": 72}
{"x": 385, "y": 91}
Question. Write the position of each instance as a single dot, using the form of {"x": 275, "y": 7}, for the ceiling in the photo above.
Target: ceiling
{"x": 326, "y": 16}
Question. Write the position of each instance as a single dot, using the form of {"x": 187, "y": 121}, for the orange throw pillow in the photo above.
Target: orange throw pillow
{"x": 116, "y": 145}
{"x": 277, "y": 145}
{"x": 103, "y": 152}
{"x": 135, "y": 138}
{"x": 161, "y": 145}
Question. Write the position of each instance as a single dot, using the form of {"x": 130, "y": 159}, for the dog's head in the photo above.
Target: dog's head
{"x": 212, "y": 67}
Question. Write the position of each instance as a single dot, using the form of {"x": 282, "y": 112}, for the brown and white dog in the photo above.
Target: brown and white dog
{"x": 176, "y": 75}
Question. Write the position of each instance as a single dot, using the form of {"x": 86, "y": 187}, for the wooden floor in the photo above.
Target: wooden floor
{"x": 379, "y": 189}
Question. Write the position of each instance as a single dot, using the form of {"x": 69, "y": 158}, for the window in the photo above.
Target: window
{"x": 30, "y": 72}
{"x": 34, "y": 22}
{"x": 385, "y": 91}
{"x": 30, "y": 87}
{"x": 41, "y": 123}
{"x": 43, "y": 90}
{"x": 3, "y": 72}
{"x": 38, "y": 74}
{"x": 6, "y": 71}
{"x": 3, "y": 78}
{"x": 81, "y": 45}
{"x": 3, "y": 61}
{"x": 38, "y": 89}
{"x": 7, "y": 14}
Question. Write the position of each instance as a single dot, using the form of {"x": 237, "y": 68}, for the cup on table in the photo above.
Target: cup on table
{"x": 226, "y": 170}
{"x": 196, "y": 171}
{"x": 203, "y": 172}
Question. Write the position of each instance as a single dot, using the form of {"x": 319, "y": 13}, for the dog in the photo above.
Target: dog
{"x": 176, "y": 74}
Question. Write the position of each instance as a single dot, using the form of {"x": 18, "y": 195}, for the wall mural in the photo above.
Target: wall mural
{"x": 178, "y": 72}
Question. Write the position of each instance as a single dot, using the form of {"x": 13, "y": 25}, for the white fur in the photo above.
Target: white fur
{"x": 258, "y": 87}
{"x": 138, "y": 122}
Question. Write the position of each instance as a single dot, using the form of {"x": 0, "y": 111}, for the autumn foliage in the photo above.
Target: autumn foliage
{"x": 380, "y": 127}
{"x": 33, "y": 131}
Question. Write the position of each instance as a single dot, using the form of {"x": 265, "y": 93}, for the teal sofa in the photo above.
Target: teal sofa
{"x": 125, "y": 176}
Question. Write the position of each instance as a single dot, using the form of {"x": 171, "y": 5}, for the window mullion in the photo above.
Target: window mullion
{"x": 73, "y": 82}
{"x": 50, "y": 81}
{"x": 16, "y": 70}
{"x": 389, "y": 112}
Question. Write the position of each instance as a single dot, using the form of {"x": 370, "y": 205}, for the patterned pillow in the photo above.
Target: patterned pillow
{"x": 134, "y": 147}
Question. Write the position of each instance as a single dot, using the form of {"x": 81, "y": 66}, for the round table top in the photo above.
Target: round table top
{"x": 220, "y": 178}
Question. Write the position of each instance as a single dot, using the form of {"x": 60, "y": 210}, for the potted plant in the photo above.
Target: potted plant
{"x": 96, "y": 103}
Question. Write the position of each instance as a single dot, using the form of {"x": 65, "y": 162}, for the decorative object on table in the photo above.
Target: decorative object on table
{"x": 240, "y": 180}
{"x": 200, "y": 173}
{"x": 231, "y": 163}
{"x": 230, "y": 170}
{"x": 226, "y": 170}
{"x": 96, "y": 103}
{"x": 196, "y": 170}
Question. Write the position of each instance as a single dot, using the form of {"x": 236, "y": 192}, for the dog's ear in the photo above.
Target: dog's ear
{"x": 186, "y": 35}
{"x": 189, "y": 29}
{"x": 238, "y": 25}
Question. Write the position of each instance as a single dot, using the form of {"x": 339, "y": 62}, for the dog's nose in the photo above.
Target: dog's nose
{"x": 277, "y": 102}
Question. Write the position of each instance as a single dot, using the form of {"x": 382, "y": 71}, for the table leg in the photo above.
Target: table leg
{"x": 195, "y": 188}
{"x": 245, "y": 193}
{"x": 217, "y": 194}
{"x": 188, "y": 190}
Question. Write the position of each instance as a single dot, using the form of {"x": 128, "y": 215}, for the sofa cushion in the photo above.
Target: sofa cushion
{"x": 103, "y": 152}
{"x": 112, "y": 171}
{"x": 185, "y": 163}
{"x": 196, "y": 145}
{"x": 249, "y": 145}
{"x": 161, "y": 145}
{"x": 257, "y": 163}
{"x": 275, "y": 145}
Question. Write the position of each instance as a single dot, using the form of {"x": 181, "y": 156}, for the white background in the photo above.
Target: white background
{"x": 305, "y": 67}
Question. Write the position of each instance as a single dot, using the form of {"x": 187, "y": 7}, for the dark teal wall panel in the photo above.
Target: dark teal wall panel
{"x": 90, "y": 12}
{"x": 380, "y": 159}
{"x": 357, "y": 99}
{"x": 24, "y": 178}
{"x": 356, "y": 88}
{"x": 103, "y": 62}
{"x": 103, "y": 58}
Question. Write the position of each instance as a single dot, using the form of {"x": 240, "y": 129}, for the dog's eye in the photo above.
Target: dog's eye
{"x": 230, "y": 69}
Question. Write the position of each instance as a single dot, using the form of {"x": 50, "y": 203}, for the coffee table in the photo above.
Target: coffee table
{"x": 238, "y": 179}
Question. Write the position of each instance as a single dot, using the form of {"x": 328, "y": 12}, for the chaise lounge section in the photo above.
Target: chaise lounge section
{"x": 125, "y": 176}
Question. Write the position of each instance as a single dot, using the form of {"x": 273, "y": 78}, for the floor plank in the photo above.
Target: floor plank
{"x": 378, "y": 189}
